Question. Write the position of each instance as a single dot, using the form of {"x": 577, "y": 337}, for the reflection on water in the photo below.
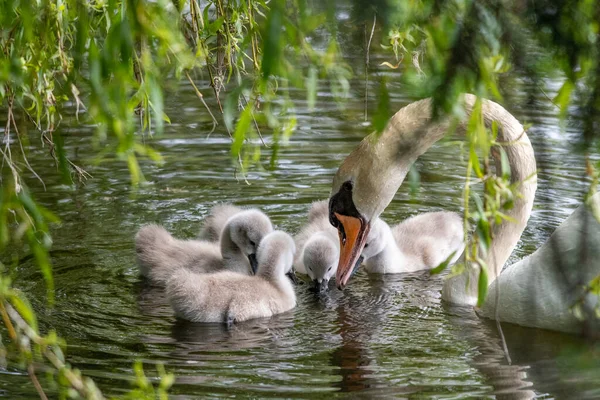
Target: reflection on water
{"x": 382, "y": 336}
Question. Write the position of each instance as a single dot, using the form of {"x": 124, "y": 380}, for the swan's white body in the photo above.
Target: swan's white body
{"x": 420, "y": 242}
{"x": 529, "y": 293}
{"x": 160, "y": 255}
{"x": 228, "y": 297}
{"x": 541, "y": 289}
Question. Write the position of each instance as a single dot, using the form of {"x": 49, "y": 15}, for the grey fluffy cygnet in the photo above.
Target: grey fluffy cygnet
{"x": 420, "y": 242}
{"x": 320, "y": 258}
{"x": 160, "y": 255}
{"x": 215, "y": 221}
{"x": 318, "y": 247}
{"x": 227, "y": 297}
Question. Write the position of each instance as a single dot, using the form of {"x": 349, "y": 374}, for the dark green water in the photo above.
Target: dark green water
{"x": 387, "y": 336}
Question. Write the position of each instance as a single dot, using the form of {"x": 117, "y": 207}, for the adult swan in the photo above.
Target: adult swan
{"x": 540, "y": 290}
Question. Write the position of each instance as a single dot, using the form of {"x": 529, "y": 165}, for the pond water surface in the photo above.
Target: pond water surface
{"x": 387, "y": 336}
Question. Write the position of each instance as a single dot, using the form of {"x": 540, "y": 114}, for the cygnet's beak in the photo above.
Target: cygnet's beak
{"x": 357, "y": 265}
{"x": 253, "y": 263}
{"x": 321, "y": 286}
{"x": 292, "y": 276}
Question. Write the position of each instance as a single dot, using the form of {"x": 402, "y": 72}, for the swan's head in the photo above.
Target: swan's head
{"x": 247, "y": 229}
{"x": 362, "y": 187}
{"x": 320, "y": 258}
{"x": 276, "y": 255}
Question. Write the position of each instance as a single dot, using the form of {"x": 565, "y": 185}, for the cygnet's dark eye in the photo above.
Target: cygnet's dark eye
{"x": 252, "y": 244}
{"x": 366, "y": 245}
{"x": 329, "y": 269}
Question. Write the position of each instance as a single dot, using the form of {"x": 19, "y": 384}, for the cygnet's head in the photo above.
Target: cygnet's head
{"x": 318, "y": 209}
{"x": 320, "y": 258}
{"x": 246, "y": 230}
{"x": 375, "y": 242}
{"x": 276, "y": 255}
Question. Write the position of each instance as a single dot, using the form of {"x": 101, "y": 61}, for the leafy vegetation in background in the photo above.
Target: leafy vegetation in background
{"x": 447, "y": 48}
{"x": 114, "y": 60}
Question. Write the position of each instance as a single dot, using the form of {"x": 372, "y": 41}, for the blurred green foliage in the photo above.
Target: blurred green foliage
{"x": 449, "y": 47}
{"x": 113, "y": 61}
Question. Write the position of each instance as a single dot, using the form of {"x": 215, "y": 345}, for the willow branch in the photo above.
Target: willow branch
{"x": 201, "y": 97}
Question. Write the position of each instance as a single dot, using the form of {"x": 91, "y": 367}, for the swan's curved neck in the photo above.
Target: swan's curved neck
{"x": 411, "y": 132}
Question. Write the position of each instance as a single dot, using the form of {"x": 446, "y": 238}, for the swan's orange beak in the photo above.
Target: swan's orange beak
{"x": 352, "y": 240}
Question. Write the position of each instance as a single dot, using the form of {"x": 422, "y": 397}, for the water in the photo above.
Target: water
{"x": 387, "y": 336}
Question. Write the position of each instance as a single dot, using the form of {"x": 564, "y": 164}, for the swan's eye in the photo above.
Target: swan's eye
{"x": 329, "y": 269}
{"x": 366, "y": 245}
{"x": 334, "y": 221}
{"x": 252, "y": 244}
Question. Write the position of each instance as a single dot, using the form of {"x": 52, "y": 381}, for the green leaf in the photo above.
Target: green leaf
{"x": 141, "y": 381}
{"x": 31, "y": 208}
{"x": 272, "y": 45}
{"x": 311, "y": 87}
{"x": 288, "y": 128}
{"x": 167, "y": 381}
{"x": 563, "y": 96}
{"x": 145, "y": 150}
{"x": 505, "y": 164}
{"x": 383, "y": 112}
{"x": 474, "y": 160}
{"x": 494, "y": 130}
{"x": 22, "y": 305}
{"x": 156, "y": 101}
{"x": 242, "y": 126}
{"x": 484, "y": 233}
{"x": 414, "y": 181}
{"x": 214, "y": 26}
{"x": 478, "y": 204}
{"x": 63, "y": 163}
{"x": 134, "y": 169}
{"x": 443, "y": 265}
{"x": 482, "y": 287}
{"x": 594, "y": 286}
{"x": 43, "y": 260}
